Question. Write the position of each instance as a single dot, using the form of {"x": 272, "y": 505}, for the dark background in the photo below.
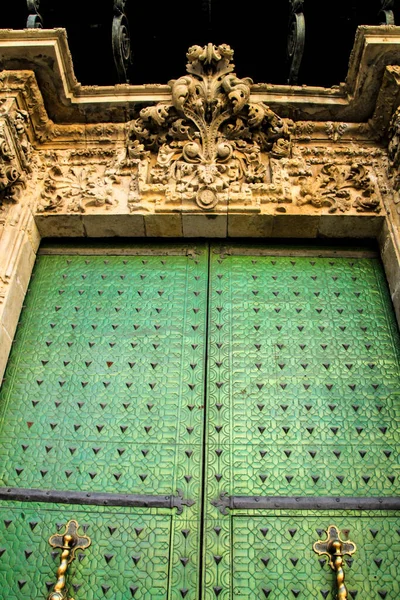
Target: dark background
{"x": 162, "y": 31}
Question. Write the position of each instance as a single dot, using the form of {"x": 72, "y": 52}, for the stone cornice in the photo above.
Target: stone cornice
{"x": 46, "y": 53}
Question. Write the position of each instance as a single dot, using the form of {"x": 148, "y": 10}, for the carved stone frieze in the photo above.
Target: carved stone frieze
{"x": 332, "y": 131}
{"x": 320, "y": 154}
{"x": 95, "y": 156}
{"x": 9, "y": 174}
{"x": 210, "y": 143}
{"x": 315, "y": 176}
{"x": 394, "y": 141}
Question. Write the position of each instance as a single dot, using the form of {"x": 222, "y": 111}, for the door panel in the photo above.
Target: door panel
{"x": 303, "y": 377}
{"x": 303, "y": 408}
{"x": 104, "y": 393}
{"x": 279, "y": 367}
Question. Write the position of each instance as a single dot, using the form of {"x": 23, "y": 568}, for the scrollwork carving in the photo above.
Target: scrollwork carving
{"x": 20, "y": 123}
{"x": 394, "y": 157}
{"x": 210, "y": 139}
{"x": 335, "y": 130}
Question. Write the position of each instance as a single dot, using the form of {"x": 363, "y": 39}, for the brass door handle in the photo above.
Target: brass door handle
{"x": 334, "y": 547}
{"x": 69, "y": 542}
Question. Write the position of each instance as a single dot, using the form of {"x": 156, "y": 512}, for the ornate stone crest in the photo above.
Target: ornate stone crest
{"x": 212, "y": 143}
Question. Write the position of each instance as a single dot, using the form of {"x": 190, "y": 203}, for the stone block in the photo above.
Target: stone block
{"x": 163, "y": 225}
{"x": 58, "y": 226}
{"x": 396, "y": 304}
{"x": 350, "y": 226}
{"x": 205, "y": 226}
{"x": 391, "y": 259}
{"x": 10, "y": 310}
{"x": 33, "y": 234}
{"x": 25, "y": 260}
{"x": 111, "y": 225}
{"x": 250, "y": 225}
{"x": 5, "y": 347}
{"x": 295, "y": 226}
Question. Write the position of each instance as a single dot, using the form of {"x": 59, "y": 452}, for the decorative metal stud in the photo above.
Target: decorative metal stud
{"x": 334, "y": 547}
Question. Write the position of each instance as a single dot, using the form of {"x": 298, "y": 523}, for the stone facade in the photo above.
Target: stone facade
{"x": 211, "y": 155}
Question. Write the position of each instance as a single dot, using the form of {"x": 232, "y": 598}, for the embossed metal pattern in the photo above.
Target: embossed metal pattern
{"x": 303, "y": 381}
{"x": 104, "y": 389}
{"x": 303, "y": 378}
{"x": 129, "y": 556}
{"x": 273, "y": 558}
{"x": 105, "y": 393}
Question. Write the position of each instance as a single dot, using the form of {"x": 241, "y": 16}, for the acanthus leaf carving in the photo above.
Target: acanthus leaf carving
{"x": 340, "y": 188}
{"x": 210, "y": 141}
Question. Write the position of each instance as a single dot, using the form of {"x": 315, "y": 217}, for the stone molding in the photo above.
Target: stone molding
{"x": 47, "y": 53}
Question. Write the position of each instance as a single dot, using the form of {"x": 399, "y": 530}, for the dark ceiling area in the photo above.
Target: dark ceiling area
{"x": 161, "y": 33}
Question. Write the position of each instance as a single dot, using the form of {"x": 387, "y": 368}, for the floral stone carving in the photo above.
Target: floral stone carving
{"x": 340, "y": 188}
{"x": 81, "y": 187}
{"x": 210, "y": 144}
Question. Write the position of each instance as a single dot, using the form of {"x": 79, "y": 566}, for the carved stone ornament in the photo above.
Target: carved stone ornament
{"x": 15, "y": 153}
{"x": 210, "y": 144}
{"x": 75, "y": 189}
{"x": 394, "y": 157}
{"x": 340, "y": 188}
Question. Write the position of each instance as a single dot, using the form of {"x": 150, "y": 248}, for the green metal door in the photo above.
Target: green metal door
{"x": 103, "y": 405}
{"x": 204, "y": 414}
{"x": 302, "y": 424}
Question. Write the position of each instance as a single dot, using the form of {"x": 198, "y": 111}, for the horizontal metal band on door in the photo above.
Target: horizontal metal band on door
{"x": 96, "y": 498}
{"x": 225, "y": 503}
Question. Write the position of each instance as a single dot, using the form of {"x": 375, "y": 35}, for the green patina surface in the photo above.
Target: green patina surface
{"x": 303, "y": 378}
{"x": 303, "y": 400}
{"x": 273, "y": 557}
{"x": 105, "y": 392}
{"x": 105, "y": 386}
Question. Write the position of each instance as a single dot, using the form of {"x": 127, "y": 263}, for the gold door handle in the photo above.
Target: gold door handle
{"x": 334, "y": 547}
{"x": 69, "y": 542}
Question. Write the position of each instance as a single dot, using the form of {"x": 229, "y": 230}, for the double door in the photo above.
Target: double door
{"x": 204, "y": 413}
